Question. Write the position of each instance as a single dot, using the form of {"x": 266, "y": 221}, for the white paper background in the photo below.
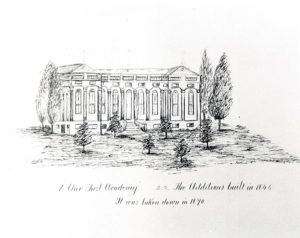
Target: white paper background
{"x": 261, "y": 39}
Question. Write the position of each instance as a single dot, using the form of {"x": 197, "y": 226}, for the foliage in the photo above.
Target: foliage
{"x": 206, "y": 75}
{"x": 221, "y": 100}
{"x": 148, "y": 143}
{"x": 54, "y": 93}
{"x": 206, "y": 133}
{"x": 42, "y": 95}
{"x": 83, "y": 136}
{"x": 181, "y": 149}
{"x": 115, "y": 124}
{"x": 165, "y": 126}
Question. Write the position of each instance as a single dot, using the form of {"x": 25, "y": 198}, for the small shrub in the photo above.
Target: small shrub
{"x": 181, "y": 149}
{"x": 148, "y": 143}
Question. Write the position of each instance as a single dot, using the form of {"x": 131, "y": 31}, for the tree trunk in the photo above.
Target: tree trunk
{"x": 219, "y": 126}
{"x": 181, "y": 160}
{"x": 83, "y": 149}
{"x": 51, "y": 128}
{"x": 114, "y": 134}
{"x": 204, "y": 116}
{"x": 42, "y": 126}
{"x": 148, "y": 150}
{"x": 207, "y": 145}
{"x": 166, "y": 135}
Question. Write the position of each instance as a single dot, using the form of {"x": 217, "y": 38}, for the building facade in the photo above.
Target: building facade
{"x": 140, "y": 97}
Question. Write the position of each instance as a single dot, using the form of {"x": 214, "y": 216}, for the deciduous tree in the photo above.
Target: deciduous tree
{"x": 165, "y": 126}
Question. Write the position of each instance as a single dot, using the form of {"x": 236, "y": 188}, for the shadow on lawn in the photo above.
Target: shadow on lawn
{"x": 179, "y": 165}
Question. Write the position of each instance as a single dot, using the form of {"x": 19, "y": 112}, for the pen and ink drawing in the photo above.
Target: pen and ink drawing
{"x": 160, "y": 118}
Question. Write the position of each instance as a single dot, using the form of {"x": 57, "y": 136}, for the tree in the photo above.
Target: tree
{"x": 115, "y": 124}
{"x": 220, "y": 100}
{"x": 42, "y": 95}
{"x": 181, "y": 149}
{"x": 83, "y": 136}
{"x": 206, "y": 83}
{"x": 148, "y": 143}
{"x": 165, "y": 126}
{"x": 206, "y": 133}
{"x": 54, "y": 95}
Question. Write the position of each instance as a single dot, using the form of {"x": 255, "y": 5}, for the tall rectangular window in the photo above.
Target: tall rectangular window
{"x": 191, "y": 103}
{"x": 103, "y": 102}
{"x": 78, "y": 101}
{"x": 115, "y": 100}
{"x": 175, "y": 99}
{"x": 92, "y": 101}
{"x": 154, "y": 103}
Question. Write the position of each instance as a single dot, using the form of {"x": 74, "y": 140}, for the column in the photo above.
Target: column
{"x": 108, "y": 103}
{"x": 182, "y": 105}
{"x": 134, "y": 104}
{"x": 122, "y": 105}
{"x": 162, "y": 104}
{"x": 147, "y": 105}
{"x": 84, "y": 103}
{"x": 99, "y": 104}
{"x": 71, "y": 103}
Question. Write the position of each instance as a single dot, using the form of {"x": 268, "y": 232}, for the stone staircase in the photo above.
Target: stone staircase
{"x": 131, "y": 126}
{"x": 134, "y": 126}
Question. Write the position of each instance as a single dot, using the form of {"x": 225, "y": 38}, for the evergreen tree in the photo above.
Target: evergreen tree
{"x": 206, "y": 75}
{"x": 83, "y": 136}
{"x": 181, "y": 149}
{"x": 220, "y": 100}
{"x": 206, "y": 133}
{"x": 115, "y": 124}
{"x": 165, "y": 126}
{"x": 54, "y": 95}
{"x": 148, "y": 143}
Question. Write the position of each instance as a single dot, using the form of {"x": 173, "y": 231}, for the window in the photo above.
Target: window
{"x": 175, "y": 102}
{"x": 191, "y": 78}
{"x": 155, "y": 78}
{"x": 92, "y": 76}
{"x": 78, "y": 102}
{"x": 63, "y": 108}
{"x": 103, "y": 102}
{"x": 67, "y": 107}
{"x": 92, "y": 101}
{"x": 128, "y": 77}
{"x": 141, "y": 102}
{"x": 115, "y": 101}
{"x": 115, "y": 77}
{"x": 141, "y": 77}
{"x": 191, "y": 103}
{"x": 154, "y": 103}
{"x": 176, "y": 125}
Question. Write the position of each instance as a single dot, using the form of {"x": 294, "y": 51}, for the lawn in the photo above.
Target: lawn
{"x": 232, "y": 145}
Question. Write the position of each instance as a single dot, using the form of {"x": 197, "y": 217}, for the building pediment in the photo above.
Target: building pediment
{"x": 181, "y": 71}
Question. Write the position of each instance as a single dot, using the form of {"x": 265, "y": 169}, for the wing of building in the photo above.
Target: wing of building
{"x": 141, "y": 97}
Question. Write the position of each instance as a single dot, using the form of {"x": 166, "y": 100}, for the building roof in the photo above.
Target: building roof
{"x": 83, "y": 68}
{"x": 67, "y": 69}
